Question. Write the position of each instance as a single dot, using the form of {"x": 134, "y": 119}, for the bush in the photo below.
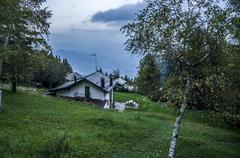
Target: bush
{"x": 213, "y": 93}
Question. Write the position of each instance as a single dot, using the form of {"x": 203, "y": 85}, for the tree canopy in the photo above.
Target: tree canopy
{"x": 24, "y": 28}
{"x": 181, "y": 33}
{"x": 199, "y": 42}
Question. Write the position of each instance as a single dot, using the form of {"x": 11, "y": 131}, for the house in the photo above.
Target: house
{"x": 121, "y": 82}
{"x": 71, "y": 76}
{"x": 96, "y": 88}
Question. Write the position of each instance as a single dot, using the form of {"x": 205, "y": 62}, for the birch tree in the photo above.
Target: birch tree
{"x": 189, "y": 34}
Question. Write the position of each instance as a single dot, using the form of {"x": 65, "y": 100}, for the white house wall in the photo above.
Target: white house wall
{"x": 95, "y": 93}
{"x": 107, "y": 96}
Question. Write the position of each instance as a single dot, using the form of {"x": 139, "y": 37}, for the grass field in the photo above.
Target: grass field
{"x": 35, "y": 126}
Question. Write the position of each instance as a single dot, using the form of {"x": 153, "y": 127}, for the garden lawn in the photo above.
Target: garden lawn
{"x": 36, "y": 126}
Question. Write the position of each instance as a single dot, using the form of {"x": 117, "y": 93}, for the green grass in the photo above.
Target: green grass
{"x": 35, "y": 126}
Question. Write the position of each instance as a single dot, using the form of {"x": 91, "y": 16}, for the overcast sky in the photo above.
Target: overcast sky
{"x": 82, "y": 27}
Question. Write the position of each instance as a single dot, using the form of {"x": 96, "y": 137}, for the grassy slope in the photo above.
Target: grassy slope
{"x": 35, "y": 126}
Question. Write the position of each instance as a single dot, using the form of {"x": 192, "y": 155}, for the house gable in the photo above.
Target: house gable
{"x": 71, "y": 84}
{"x": 96, "y": 86}
{"x": 79, "y": 91}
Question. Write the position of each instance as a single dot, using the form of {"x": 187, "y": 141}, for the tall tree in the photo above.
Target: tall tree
{"x": 1, "y": 105}
{"x": 116, "y": 74}
{"x": 67, "y": 65}
{"x": 47, "y": 69}
{"x": 148, "y": 80}
{"x": 126, "y": 78}
{"x": 234, "y": 5}
{"x": 23, "y": 29}
{"x": 189, "y": 34}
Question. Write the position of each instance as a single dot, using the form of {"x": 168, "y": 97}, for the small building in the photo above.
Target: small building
{"x": 96, "y": 88}
{"x": 121, "y": 85}
{"x": 121, "y": 82}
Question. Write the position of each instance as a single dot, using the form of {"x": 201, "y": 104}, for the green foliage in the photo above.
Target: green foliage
{"x": 217, "y": 91}
{"x": 235, "y": 27}
{"x": 115, "y": 74}
{"x": 24, "y": 22}
{"x": 23, "y": 30}
{"x": 35, "y": 126}
{"x": 182, "y": 33}
{"x": 173, "y": 91}
{"x": 17, "y": 65}
{"x": 48, "y": 70}
{"x": 148, "y": 80}
{"x": 39, "y": 69}
{"x": 67, "y": 65}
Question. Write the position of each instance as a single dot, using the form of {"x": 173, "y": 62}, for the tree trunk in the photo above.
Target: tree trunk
{"x": 173, "y": 145}
{"x": 1, "y": 67}
{"x": 1, "y": 63}
{"x": 1, "y": 104}
{"x": 0, "y": 73}
{"x": 50, "y": 85}
{"x": 14, "y": 84}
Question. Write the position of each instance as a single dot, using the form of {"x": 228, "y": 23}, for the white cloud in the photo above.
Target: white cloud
{"x": 77, "y": 13}
{"x": 73, "y": 30}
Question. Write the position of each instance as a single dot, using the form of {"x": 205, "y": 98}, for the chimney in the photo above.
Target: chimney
{"x": 75, "y": 78}
{"x": 102, "y": 82}
{"x": 111, "y": 81}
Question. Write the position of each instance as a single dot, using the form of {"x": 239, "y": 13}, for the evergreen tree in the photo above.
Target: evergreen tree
{"x": 116, "y": 74}
{"x": 67, "y": 65}
{"x": 148, "y": 80}
{"x": 47, "y": 70}
{"x": 126, "y": 78}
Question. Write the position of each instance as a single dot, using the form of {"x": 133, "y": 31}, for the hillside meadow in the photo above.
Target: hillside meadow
{"x": 36, "y": 126}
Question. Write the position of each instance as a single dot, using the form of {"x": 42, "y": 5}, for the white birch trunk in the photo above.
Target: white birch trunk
{"x": 173, "y": 145}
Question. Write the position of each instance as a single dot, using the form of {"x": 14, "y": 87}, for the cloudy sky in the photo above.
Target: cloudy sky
{"x": 83, "y": 27}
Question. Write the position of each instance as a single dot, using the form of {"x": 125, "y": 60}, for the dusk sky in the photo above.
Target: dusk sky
{"x": 82, "y": 27}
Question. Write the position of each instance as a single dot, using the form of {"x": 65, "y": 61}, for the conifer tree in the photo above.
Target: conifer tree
{"x": 67, "y": 66}
{"x": 148, "y": 80}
